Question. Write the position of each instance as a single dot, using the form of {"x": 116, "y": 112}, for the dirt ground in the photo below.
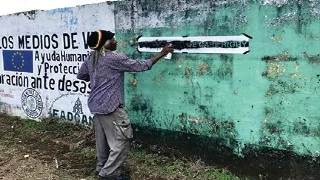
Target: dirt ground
{"x": 31, "y": 150}
{"x": 28, "y": 151}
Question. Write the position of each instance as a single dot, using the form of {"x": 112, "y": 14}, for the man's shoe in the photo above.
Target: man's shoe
{"x": 121, "y": 177}
{"x": 106, "y": 178}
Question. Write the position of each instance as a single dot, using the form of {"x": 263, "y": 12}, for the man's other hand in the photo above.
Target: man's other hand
{"x": 167, "y": 49}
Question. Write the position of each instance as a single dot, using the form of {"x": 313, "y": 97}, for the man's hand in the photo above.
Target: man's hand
{"x": 167, "y": 49}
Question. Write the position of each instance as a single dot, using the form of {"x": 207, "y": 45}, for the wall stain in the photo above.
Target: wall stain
{"x": 31, "y": 14}
{"x": 258, "y": 162}
{"x": 222, "y": 128}
{"x": 5, "y": 108}
{"x": 139, "y": 104}
{"x": 219, "y": 128}
{"x": 204, "y": 69}
{"x": 312, "y": 59}
{"x": 132, "y": 14}
{"x": 274, "y": 128}
{"x": 190, "y": 97}
{"x": 276, "y": 38}
{"x": 302, "y": 127}
{"x": 274, "y": 70}
{"x": 159, "y": 78}
{"x": 281, "y": 57}
{"x": 133, "y": 81}
{"x": 273, "y": 132}
{"x": 188, "y": 72}
{"x": 296, "y": 12}
{"x": 174, "y": 13}
{"x": 142, "y": 109}
{"x": 300, "y": 17}
{"x": 186, "y": 125}
{"x": 273, "y": 136}
{"x": 225, "y": 70}
{"x": 279, "y": 11}
{"x": 282, "y": 87}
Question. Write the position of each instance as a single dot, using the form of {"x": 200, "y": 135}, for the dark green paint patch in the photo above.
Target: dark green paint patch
{"x": 225, "y": 69}
{"x": 139, "y": 104}
{"x": 280, "y": 57}
{"x": 190, "y": 13}
{"x": 141, "y": 108}
{"x": 282, "y": 87}
{"x": 204, "y": 110}
{"x": 296, "y": 12}
{"x": 222, "y": 128}
{"x": 268, "y": 111}
{"x": 301, "y": 128}
{"x": 258, "y": 162}
{"x": 312, "y": 59}
{"x": 187, "y": 126}
{"x": 277, "y": 141}
{"x": 273, "y": 132}
{"x": 188, "y": 72}
{"x": 300, "y": 17}
{"x": 279, "y": 11}
{"x": 274, "y": 128}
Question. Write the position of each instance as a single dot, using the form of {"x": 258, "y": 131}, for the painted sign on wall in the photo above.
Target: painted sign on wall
{"x": 40, "y": 57}
{"x": 197, "y": 44}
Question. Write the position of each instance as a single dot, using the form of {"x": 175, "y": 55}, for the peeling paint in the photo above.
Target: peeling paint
{"x": 31, "y": 14}
{"x": 204, "y": 69}
{"x": 273, "y": 70}
{"x": 133, "y": 82}
{"x": 278, "y": 3}
{"x": 154, "y": 14}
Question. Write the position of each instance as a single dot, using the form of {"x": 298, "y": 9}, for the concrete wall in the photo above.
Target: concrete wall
{"x": 268, "y": 98}
{"x": 40, "y": 55}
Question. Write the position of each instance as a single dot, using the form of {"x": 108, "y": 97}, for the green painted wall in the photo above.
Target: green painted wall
{"x": 267, "y": 98}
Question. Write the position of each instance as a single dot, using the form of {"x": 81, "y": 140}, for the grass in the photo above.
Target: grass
{"x": 74, "y": 146}
{"x": 163, "y": 166}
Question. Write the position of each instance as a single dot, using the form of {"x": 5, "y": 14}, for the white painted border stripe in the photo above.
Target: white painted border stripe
{"x": 197, "y": 38}
{"x": 202, "y": 50}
